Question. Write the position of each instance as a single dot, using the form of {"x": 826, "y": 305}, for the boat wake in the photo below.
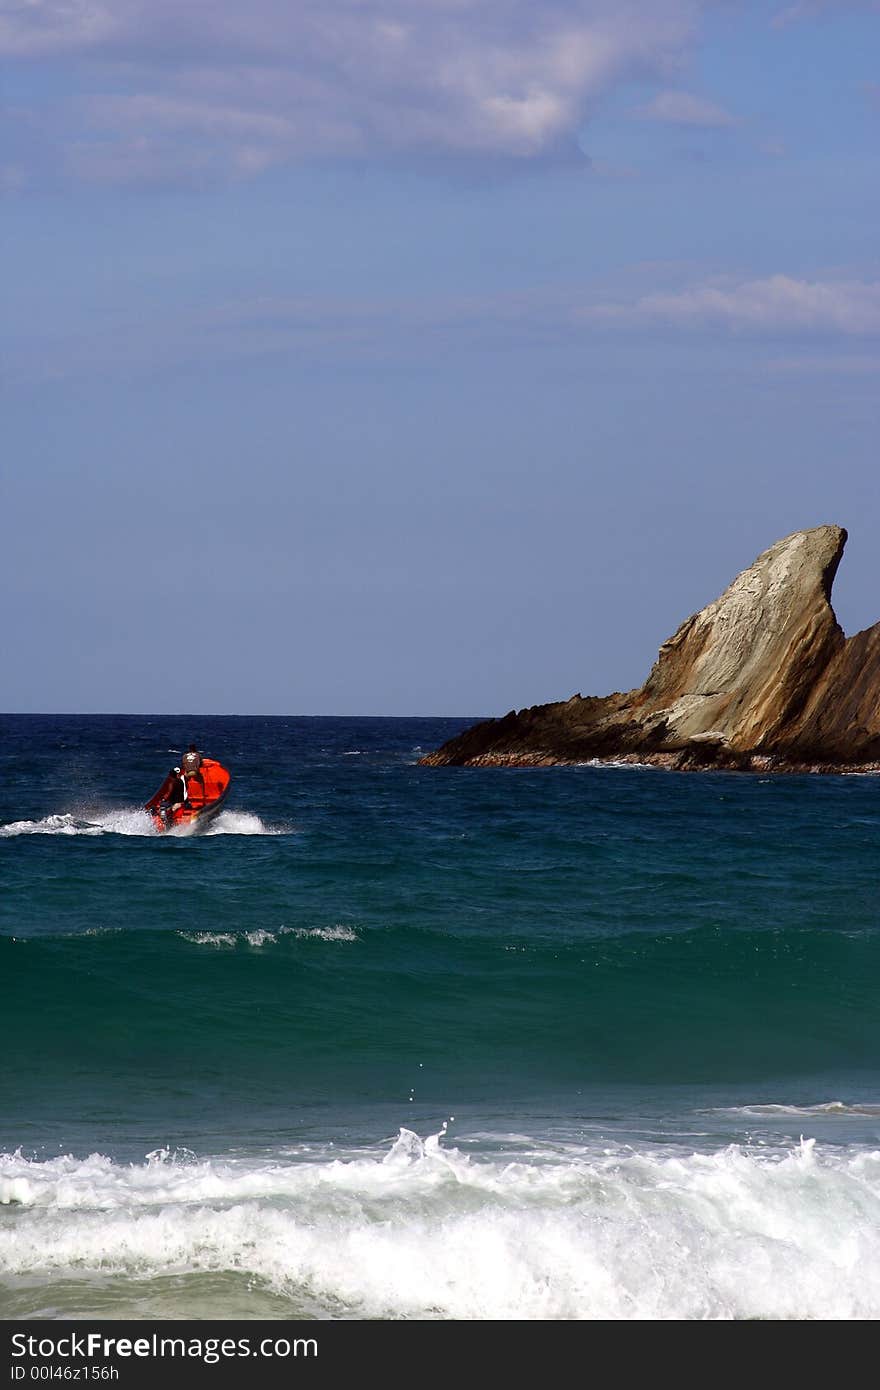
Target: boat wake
{"x": 134, "y": 821}
{"x": 131, "y": 821}
{"x": 244, "y": 823}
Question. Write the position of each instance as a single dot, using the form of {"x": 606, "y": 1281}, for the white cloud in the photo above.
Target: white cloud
{"x": 218, "y": 83}
{"x": 778, "y": 304}
{"x": 684, "y": 109}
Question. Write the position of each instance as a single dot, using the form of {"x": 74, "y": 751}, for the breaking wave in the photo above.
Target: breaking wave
{"x": 263, "y": 937}
{"x": 419, "y": 1229}
{"x": 335, "y": 933}
{"x": 828, "y": 1107}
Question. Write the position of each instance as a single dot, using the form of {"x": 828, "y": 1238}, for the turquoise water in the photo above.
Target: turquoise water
{"x": 405, "y": 1042}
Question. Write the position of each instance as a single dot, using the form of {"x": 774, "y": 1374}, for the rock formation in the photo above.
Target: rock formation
{"x": 762, "y": 678}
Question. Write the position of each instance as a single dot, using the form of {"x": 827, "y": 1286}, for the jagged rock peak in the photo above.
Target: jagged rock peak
{"x": 762, "y": 674}
{"x": 741, "y": 662}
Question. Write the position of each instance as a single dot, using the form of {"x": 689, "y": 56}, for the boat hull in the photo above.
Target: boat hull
{"x": 206, "y": 794}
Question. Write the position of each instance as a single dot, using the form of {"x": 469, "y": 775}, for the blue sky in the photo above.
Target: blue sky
{"x": 423, "y": 358}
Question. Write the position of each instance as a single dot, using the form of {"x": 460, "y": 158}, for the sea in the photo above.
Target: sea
{"x": 396, "y": 1042}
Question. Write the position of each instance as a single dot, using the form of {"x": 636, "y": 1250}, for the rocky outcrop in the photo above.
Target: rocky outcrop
{"x": 762, "y": 678}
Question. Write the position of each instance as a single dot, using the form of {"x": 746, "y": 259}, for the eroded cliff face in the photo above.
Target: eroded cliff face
{"x": 762, "y": 677}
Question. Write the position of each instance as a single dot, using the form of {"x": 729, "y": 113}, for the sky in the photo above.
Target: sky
{"x": 423, "y": 357}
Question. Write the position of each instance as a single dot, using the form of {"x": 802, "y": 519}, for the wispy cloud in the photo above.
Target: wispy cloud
{"x": 777, "y": 304}
{"x": 231, "y": 87}
{"x": 323, "y": 329}
{"x": 685, "y": 109}
{"x": 806, "y": 9}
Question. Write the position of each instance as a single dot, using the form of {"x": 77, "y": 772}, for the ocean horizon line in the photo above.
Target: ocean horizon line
{"x": 204, "y": 714}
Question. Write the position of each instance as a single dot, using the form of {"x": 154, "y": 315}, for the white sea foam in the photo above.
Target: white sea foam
{"x": 134, "y": 821}
{"x": 424, "y": 1230}
{"x": 261, "y": 936}
{"x": 617, "y": 762}
{"x": 211, "y": 938}
{"x": 243, "y": 823}
{"x": 827, "y": 1107}
{"x": 129, "y": 821}
{"x": 229, "y": 938}
{"x": 335, "y": 933}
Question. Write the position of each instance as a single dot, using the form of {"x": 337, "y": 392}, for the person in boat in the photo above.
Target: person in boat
{"x": 192, "y": 761}
{"x": 173, "y": 794}
{"x": 191, "y": 767}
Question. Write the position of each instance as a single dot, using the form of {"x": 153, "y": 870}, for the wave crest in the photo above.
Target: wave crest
{"x": 262, "y": 936}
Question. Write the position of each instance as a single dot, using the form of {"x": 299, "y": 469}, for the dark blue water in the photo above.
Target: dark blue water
{"x": 574, "y": 963}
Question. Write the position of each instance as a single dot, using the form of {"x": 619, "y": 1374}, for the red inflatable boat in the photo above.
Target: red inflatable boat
{"x": 203, "y": 794}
